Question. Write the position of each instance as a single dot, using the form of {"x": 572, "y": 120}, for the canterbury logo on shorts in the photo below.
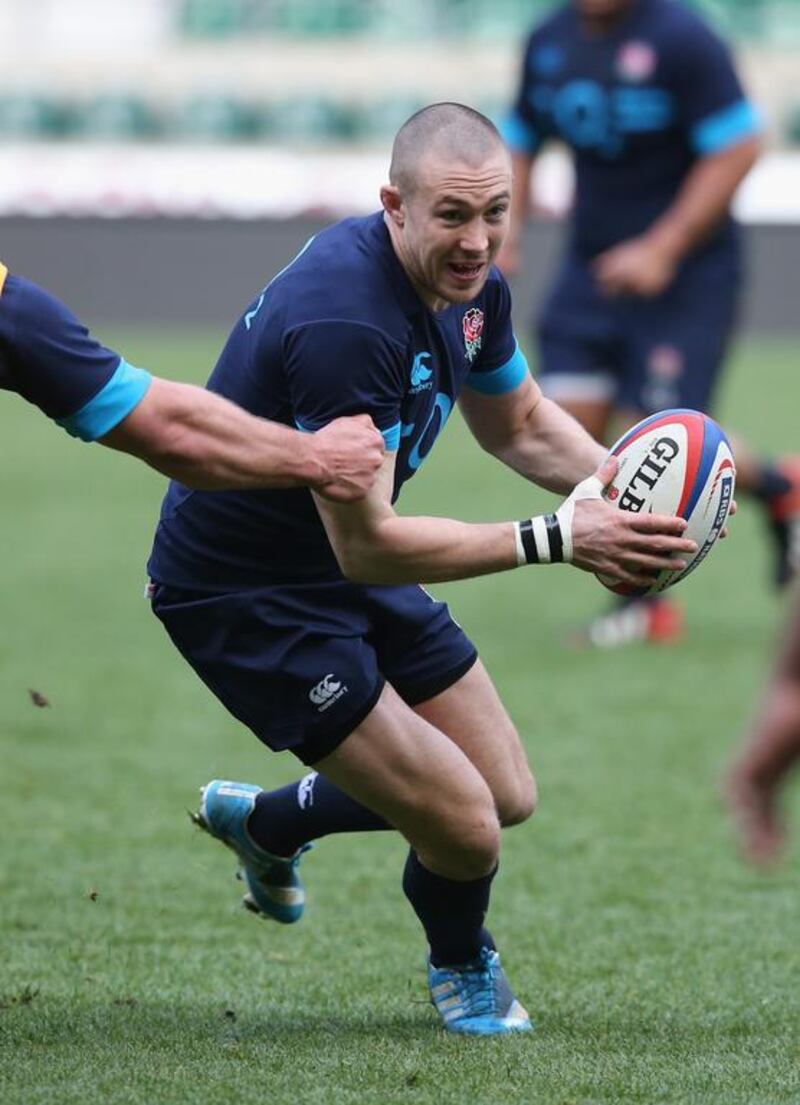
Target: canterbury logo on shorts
{"x": 326, "y": 692}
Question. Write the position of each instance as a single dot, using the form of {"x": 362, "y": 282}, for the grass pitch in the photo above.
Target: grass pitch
{"x": 657, "y": 968}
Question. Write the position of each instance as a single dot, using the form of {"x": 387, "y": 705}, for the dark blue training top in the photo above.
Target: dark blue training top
{"x": 50, "y": 359}
{"x": 638, "y": 106}
{"x": 340, "y": 331}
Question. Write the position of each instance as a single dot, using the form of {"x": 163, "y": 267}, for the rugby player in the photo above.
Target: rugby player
{"x": 641, "y": 313}
{"x": 770, "y": 754}
{"x": 49, "y": 358}
{"x": 306, "y": 617}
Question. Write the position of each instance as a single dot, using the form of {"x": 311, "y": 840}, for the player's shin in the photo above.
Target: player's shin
{"x": 452, "y": 913}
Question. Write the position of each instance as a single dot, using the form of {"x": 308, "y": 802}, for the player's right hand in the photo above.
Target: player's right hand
{"x": 618, "y": 544}
{"x": 349, "y": 452}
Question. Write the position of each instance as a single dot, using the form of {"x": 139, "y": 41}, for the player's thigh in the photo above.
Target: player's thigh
{"x": 434, "y": 667}
{"x": 404, "y": 768}
{"x": 472, "y": 715}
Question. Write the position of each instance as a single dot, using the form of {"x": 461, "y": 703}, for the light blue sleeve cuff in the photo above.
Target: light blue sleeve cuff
{"x": 500, "y": 380}
{"x": 391, "y": 437}
{"x": 726, "y": 128}
{"x": 519, "y": 135}
{"x": 115, "y": 401}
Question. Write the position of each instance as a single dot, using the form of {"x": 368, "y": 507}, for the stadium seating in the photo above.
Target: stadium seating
{"x": 420, "y": 18}
{"x": 32, "y": 116}
{"x": 117, "y": 117}
{"x": 296, "y": 86}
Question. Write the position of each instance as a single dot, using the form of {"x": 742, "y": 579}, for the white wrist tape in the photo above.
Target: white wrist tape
{"x": 539, "y": 540}
{"x": 547, "y": 538}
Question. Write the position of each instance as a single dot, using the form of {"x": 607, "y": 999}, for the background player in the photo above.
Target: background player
{"x": 770, "y": 752}
{"x": 49, "y": 358}
{"x": 305, "y": 618}
{"x": 642, "y": 309}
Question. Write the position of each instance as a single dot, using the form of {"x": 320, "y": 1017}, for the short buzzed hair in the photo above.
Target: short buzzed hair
{"x": 457, "y": 132}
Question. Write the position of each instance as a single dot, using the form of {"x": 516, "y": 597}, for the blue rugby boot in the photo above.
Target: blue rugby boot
{"x": 274, "y": 888}
{"x": 475, "y": 999}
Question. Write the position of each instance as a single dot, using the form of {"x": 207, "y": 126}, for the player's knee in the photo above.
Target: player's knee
{"x": 479, "y": 848}
{"x": 466, "y": 845}
{"x": 518, "y": 801}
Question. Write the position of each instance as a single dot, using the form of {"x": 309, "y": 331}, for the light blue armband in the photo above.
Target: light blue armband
{"x": 500, "y": 380}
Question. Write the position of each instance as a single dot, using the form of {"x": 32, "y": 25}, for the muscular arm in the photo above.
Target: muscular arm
{"x": 705, "y": 197}
{"x": 206, "y": 442}
{"x": 647, "y": 265}
{"x": 373, "y": 544}
{"x": 532, "y": 435}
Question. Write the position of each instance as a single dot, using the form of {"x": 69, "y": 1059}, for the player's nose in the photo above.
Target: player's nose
{"x": 474, "y": 239}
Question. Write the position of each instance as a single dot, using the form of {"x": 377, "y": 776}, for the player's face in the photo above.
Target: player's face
{"x": 455, "y": 222}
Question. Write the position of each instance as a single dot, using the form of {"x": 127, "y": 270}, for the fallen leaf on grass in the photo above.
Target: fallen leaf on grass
{"x": 24, "y": 997}
{"x": 38, "y": 699}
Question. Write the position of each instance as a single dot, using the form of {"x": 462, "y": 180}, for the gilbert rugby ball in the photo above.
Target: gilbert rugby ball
{"x": 675, "y": 462}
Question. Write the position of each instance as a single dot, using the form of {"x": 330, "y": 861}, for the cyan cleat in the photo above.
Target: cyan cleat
{"x": 475, "y": 999}
{"x": 274, "y": 888}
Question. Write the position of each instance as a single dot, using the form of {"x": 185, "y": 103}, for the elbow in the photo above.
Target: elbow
{"x": 359, "y": 569}
{"x": 359, "y": 562}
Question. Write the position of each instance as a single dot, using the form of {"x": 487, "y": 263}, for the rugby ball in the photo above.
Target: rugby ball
{"x": 675, "y": 462}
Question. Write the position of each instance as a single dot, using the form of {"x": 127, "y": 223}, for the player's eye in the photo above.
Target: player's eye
{"x": 451, "y": 217}
{"x": 497, "y": 212}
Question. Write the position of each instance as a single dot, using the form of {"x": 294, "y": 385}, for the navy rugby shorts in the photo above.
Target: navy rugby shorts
{"x": 303, "y": 665}
{"x": 639, "y": 354}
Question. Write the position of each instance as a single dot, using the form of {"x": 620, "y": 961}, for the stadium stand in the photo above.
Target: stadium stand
{"x": 274, "y": 70}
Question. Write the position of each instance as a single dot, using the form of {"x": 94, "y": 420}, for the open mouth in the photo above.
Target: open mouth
{"x": 465, "y": 272}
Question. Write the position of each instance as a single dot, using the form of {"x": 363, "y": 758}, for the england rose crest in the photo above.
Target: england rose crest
{"x": 473, "y": 328}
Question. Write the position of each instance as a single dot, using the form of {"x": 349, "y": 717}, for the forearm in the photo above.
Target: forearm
{"x": 206, "y": 442}
{"x": 522, "y": 169}
{"x": 428, "y": 550}
{"x": 551, "y": 449}
{"x": 704, "y": 199}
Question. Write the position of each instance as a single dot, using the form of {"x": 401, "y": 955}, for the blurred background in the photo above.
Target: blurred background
{"x": 122, "y": 125}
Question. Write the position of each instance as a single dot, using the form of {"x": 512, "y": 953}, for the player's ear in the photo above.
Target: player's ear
{"x": 392, "y": 203}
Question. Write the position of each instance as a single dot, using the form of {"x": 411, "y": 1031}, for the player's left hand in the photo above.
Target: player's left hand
{"x": 641, "y": 266}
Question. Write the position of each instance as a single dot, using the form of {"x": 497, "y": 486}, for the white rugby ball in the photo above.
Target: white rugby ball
{"x": 675, "y": 462}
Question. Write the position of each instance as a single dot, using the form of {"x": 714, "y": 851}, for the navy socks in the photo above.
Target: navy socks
{"x": 284, "y": 819}
{"x": 452, "y": 913}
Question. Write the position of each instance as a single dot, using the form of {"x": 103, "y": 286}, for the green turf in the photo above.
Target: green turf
{"x": 657, "y": 968}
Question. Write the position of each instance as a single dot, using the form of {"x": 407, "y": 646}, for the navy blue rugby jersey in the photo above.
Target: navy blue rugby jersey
{"x": 49, "y": 358}
{"x": 638, "y": 106}
{"x": 340, "y": 331}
